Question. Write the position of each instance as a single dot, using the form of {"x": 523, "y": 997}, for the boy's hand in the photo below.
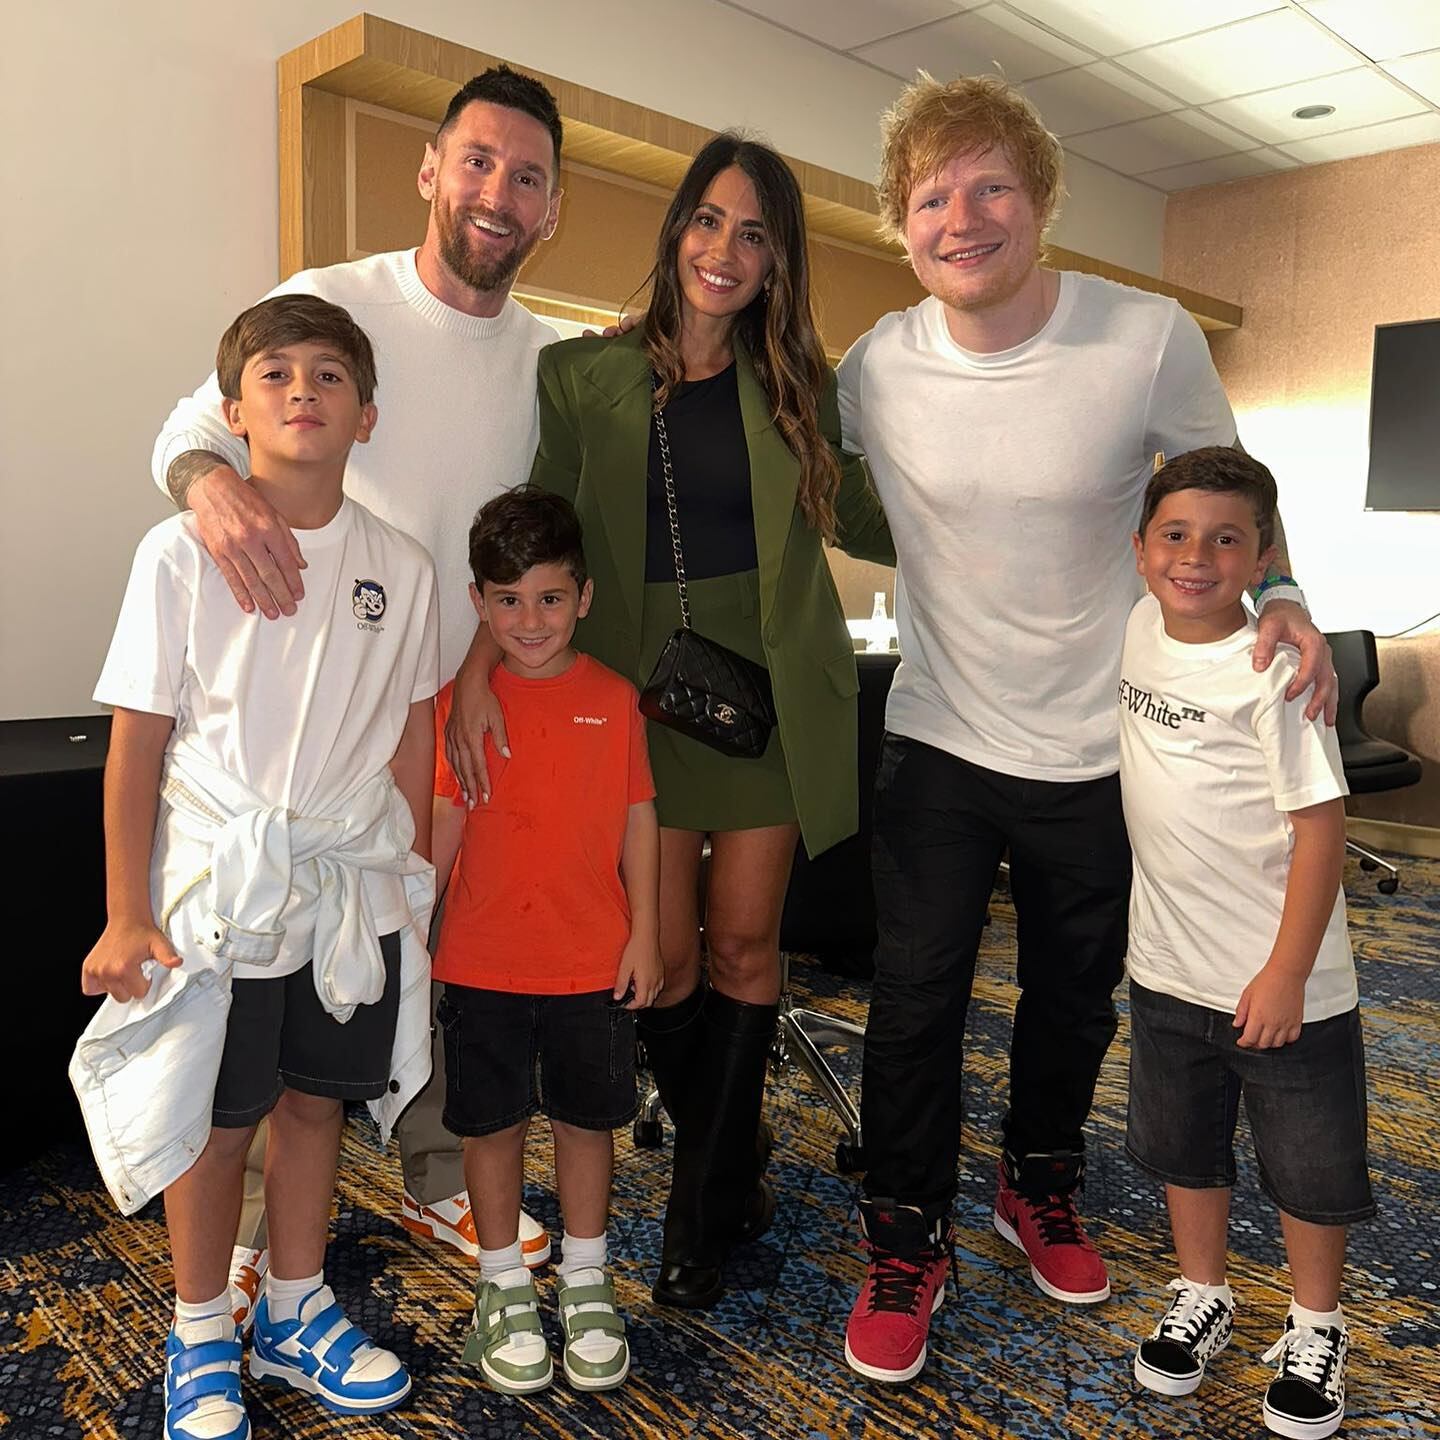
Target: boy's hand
{"x": 1284, "y": 620}
{"x": 1271, "y": 1009}
{"x": 251, "y": 545}
{"x": 115, "y": 966}
{"x": 642, "y": 971}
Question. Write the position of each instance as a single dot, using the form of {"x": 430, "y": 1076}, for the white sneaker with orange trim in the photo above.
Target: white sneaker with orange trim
{"x": 247, "y": 1275}
{"x": 451, "y": 1222}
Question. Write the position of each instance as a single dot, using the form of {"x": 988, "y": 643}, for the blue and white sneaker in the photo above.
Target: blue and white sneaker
{"x": 202, "y": 1383}
{"x": 326, "y": 1356}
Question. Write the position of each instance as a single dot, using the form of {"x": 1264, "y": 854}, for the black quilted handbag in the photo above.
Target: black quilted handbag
{"x": 699, "y": 687}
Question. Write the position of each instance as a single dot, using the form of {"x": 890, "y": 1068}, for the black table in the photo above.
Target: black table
{"x": 51, "y": 775}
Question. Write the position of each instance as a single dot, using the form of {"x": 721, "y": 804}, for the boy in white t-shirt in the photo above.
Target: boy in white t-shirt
{"x": 1241, "y": 975}
{"x": 284, "y": 877}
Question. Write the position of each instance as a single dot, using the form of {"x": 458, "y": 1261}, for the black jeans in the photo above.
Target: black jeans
{"x": 941, "y": 828}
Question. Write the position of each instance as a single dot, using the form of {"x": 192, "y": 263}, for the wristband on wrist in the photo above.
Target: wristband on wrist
{"x": 1278, "y": 587}
{"x": 1271, "y": 582}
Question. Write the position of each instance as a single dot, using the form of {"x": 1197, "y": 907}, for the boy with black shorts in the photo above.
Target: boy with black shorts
{"x": 1241, "y": 975}
{"x": 267, "y": 811}
{"x": 549, "y": 942}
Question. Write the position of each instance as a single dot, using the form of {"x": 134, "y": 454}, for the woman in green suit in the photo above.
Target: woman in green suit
{"x": 729, "y": 355}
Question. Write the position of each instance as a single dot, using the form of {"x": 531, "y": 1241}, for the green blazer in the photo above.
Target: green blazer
{"x": 594, "y": 443}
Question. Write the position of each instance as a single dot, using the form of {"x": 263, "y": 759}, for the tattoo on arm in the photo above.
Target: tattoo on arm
{"x": 186, "y": 469}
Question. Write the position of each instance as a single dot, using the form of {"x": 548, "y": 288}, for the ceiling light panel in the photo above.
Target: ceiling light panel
{"x": 1113, "y": 26}
{"x": 844, "y": 24}
{"x": 975, "y": 43}
{"x": 1420, "y": 72}
{"x": 1095, "y": 96}
{"x": 1280, "y": 48}
{"x": 1382, "y": 30}
{"x": 1345, "y": 144}
{"x": 1160, "y": 141}
{"x": 1360, "y": 97}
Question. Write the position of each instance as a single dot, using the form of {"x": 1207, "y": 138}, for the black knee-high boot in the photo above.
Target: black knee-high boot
{"x": 674, "y": 1037}
{"x": 716, "y": 1196}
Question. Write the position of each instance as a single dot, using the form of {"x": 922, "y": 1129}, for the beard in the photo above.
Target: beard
{"x": 491, "y": 272}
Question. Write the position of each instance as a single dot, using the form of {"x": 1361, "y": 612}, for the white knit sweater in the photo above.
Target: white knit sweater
{"x": 457, "y": 416}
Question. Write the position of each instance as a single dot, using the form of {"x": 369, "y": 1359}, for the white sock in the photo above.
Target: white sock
{"x": 189, "y": 1318}
{"x": 1212, "y": 1292}
{"x": 1316, "y": 1319}
{"x": 195, "y": 1324}
{"x": 495, "y": 1263}
{"x": 577, "y": 1253}
{"x": 284, "y": 1296}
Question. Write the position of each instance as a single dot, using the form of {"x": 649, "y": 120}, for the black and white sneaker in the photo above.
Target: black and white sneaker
{"x": 1193, "y": 1331}
{"x": 1306, "y": 1399}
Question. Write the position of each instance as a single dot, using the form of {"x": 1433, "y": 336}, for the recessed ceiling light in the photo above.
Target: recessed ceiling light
{"x": 1313, "y": 112}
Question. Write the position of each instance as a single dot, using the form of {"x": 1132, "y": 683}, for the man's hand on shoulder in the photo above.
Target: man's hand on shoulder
{"x": 1283, "y": 621}
{"x": 623, "y": 326}
{"x": 253, "y": 547}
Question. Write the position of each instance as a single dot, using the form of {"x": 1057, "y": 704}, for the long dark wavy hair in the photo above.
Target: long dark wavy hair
{"x": 777, "y": 327}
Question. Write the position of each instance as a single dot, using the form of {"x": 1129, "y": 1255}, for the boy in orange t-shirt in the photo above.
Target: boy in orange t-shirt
{"x": 549, "y": 942}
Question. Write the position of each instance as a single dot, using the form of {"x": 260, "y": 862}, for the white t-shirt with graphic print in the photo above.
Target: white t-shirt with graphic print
{"x": 1212, "y": 757}
{"x": 301, "y": 709}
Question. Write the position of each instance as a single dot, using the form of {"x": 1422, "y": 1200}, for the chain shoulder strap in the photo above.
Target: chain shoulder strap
{"x": 674, "y": 518}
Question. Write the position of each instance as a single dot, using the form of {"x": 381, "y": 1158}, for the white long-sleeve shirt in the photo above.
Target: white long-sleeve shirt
{"x": 457, "y": 416}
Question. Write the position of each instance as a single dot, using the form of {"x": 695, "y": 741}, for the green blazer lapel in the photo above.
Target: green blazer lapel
{"x": 618, "y": 437}
{"x": 773, "y": 478}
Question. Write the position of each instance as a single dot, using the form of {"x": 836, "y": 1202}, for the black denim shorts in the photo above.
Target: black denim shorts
{"x": 279, "y": 1036}
{"x": 507, "y": 1056}
{"x": 1305, "y": 1102}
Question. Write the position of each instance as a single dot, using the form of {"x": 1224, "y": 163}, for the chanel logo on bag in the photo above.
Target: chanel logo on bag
{"x": 721, "y": 713}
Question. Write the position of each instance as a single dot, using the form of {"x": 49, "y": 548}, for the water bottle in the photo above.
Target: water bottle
{"x": 879, "y": 636}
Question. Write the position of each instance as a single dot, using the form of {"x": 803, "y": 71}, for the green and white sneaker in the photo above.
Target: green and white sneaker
{"x": 597, "y": 1355}
{"x": 505, "y": 1338}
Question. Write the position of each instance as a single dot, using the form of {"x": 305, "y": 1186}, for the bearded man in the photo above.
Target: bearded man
{"x": 456, "y": 360}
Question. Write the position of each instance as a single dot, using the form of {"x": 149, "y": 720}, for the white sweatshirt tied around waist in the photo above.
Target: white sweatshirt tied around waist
{"x": 227, "y": 866}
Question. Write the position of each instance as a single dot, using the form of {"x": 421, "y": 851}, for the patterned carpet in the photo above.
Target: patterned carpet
{"x": 83, "y": 1308}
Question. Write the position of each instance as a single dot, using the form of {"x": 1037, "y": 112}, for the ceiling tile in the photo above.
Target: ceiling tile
{"x": 1419, "y": 72}
{"x": 1094, "y": 96}
{"x": 1160, "y": 141}
{"x": 1382, "y": 30}
{"x": 847, "y": 23}
{"x": 1214, "y": 170}
{"x": 1360, "y": 97}
{"x": 973, "y": 44}
{"x": 1393, "y": 135}
{"x": 1258, "y": 54}
{"x": 1112, "y": 26}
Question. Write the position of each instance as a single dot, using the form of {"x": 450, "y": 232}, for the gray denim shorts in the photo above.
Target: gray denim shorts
{"x": 1305, "y": 1102}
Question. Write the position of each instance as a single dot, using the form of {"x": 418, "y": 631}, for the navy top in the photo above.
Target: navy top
{"x": 711, "y": 464}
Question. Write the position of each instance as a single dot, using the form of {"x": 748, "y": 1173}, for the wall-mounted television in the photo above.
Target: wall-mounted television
{"x": 1405, "y": 418}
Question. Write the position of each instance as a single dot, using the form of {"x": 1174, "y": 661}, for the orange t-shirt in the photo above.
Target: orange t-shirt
{"x": 536, "y": 905}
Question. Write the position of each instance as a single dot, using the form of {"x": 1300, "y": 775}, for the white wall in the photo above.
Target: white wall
{"x": 138, "y": 160}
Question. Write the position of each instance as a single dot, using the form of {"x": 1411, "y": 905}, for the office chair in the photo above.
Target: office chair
{"x": 1371, "y": 765}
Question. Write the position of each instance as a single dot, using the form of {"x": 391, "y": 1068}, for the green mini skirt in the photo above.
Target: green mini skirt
{"x": 697, "y": 788}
